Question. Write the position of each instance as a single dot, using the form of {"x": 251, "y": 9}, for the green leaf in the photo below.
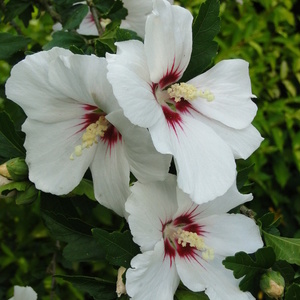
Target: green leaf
{"x": 268, "y": 223}
{"x": 75, "y": 16}
{"x": 109, "y": 36}
{"x": 104, "y": 6}
{"x": 285, "y": 269}
{"x": 62, "y": 219}
{"x": 101, "y": 49}
{"x": 85, "y": 187}
{"x": 293, "y": 292}
{"x": 15, "y": 112}
{"x": 117, "y": 11}
{"x": 11, "y": 145}
{"x": 28, "y": 196}
{"x": 282, "y": 172}
{"x": 189, "y": 295}
{"x": 98, "y": 288}
{"x": 65, "y": 40}
{"x": 243, "y": 265}
{"x": 10, "y": 44}
{"x": 285, "y": 248}
{"x": 206, "y": 26}
{"x": 119, "y": 247}
{"x": 126, "y": 34}
{"x": 279, "y": 138}
{"x": 15, "y": 8}
{"x": 81, "y": 246}
{"x": 76, "y": 50}
{"x": 19, "y": 186}
{"x": 242, "y": 176}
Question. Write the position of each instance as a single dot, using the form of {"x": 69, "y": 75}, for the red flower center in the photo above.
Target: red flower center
{"x": 184, "y": 237}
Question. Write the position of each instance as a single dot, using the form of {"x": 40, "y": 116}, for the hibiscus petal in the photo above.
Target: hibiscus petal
{"x": 128, "y": 74}
{"x": 229, "y": 233}
{"x": 49, "y": 147}
{"x": 218, "y": 281}
{"x": 243, "y": 142}
{"x": 222, "y": 204}
{"x": 88, "y": 26}
{"x": 29, "y": 87}
{"x": 74, "y": 78}
{"x": 145, "y": 162}
{"x": 205, "y": 164}
{"x": 231, "y": 199}
{"x": 24, "y": 293}
{"x": 150, "y": 206}
{"x": 110, "y": 170}
{"x": 152, "y": 277}
{"x": 230, "y": 84}
{"x": 137, "y": 14}
{"x": 168, "y": 41}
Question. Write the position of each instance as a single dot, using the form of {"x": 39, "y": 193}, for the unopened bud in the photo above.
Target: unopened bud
{"x": 17, "y": 169}
{"x": 272, "y": 283}
{"x": 28, "y": 196}
{"x": 121, "y": 289}
{"x": 3, "y": 171}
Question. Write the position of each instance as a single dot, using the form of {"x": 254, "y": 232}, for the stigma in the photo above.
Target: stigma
{"x": 91, "y": 136}
{"x": 186, "y": 91}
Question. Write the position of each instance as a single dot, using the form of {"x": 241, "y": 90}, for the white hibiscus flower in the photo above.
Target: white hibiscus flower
{"x": 204, "y": 123}
{"x": 181, "y": 240}
{"x": 75, "y": 123}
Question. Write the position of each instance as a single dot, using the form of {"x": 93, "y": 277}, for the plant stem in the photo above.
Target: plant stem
{"x": 95, "y": 17}
{"x": 55, "y": 16}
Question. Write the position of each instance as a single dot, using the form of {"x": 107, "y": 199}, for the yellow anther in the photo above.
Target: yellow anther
{"x": 182, "y": 90}
{"x": 91, "y": 135}
{"x": 207, "y": 94}
{"x": 194, "y": 240}
{"x": 188, "y": 92}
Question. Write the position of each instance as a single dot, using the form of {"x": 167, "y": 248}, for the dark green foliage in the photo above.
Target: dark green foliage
{"x": 243, "y": 265}
{"x": 17, "y": 8}
{"x": 206, "y": 26}
{"x": 293, "y": 292}
{"x": 11, "y": 144}
{"x": 119, "y": 247}
{"x": 265, "y": 34}
{"x": 75, "y": 16}
{"x": 285, "y": 269}
{"x": 65, "y": 40}
{"x": 188, "y": 295}
{"x": 98, "y": 288}
{"x": 10, "y": 44}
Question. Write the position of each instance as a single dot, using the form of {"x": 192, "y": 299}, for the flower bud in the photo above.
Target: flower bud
{"x": 15, "y": 169}
{"x": 3, "y": 171}
{"x": 28, "y": 196}
{"x": 272, "y": 283}
{"x": 121, "y": 289}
